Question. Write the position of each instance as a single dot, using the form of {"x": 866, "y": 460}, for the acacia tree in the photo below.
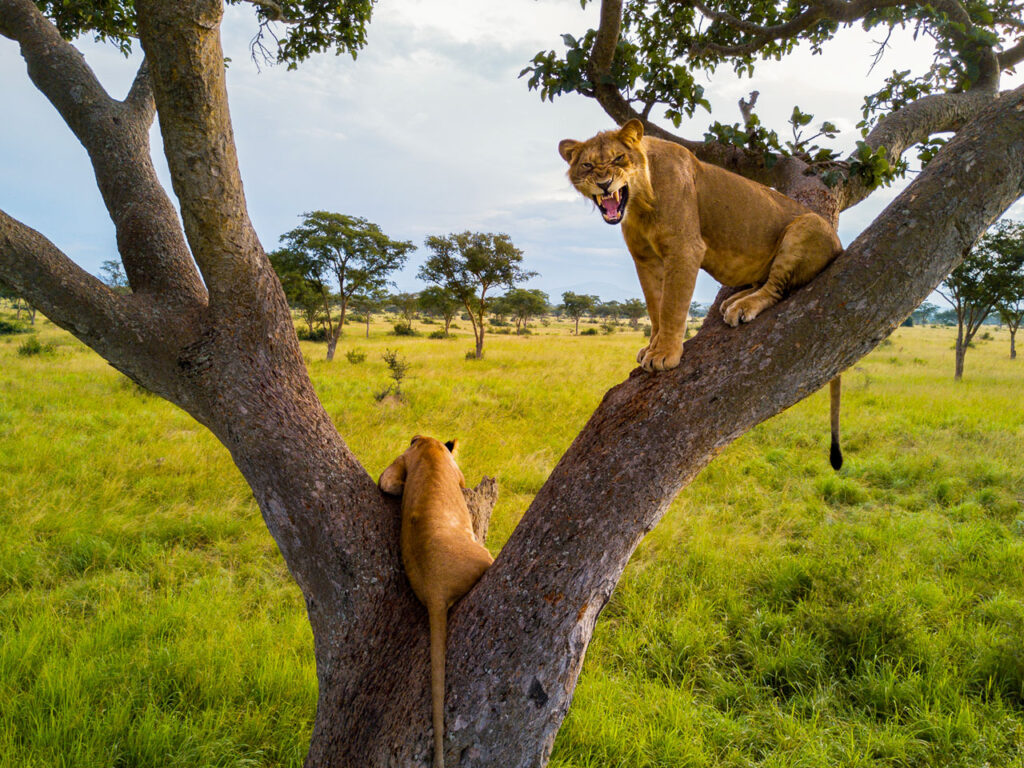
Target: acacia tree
{"x": 468, "y": 265}
{"x": 348, "y": 250}
{"x": 576, "y": 305}
{"x": 1010, "y": 287}
{"x": 975, "y": 287}
{"x": 524, "y": 303}
{"x": 218, "y": 341}
{"x": 633, "y": 310}
{"x": 301, "y": 287}
{"x": 435, "y": 300}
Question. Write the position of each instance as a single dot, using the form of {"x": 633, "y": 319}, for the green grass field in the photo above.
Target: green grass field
{"x": 781, "y": 615}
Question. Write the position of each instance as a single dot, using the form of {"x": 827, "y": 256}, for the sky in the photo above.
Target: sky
{"x": 429, "y": 131}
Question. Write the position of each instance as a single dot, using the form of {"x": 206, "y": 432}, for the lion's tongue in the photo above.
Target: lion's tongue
{"x": 609, "y": 205}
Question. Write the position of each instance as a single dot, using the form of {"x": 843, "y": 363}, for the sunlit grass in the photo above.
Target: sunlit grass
{"x": 781, "y": 615}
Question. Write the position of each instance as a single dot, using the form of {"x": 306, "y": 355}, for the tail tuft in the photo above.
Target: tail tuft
{"x": 835, "y": 456}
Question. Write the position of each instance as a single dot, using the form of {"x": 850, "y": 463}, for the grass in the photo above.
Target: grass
{"x": 781, "y": 615}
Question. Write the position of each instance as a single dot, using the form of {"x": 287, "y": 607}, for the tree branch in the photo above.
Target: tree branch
{"x": 116, "y": 136}
{"x": 186, "y": 63}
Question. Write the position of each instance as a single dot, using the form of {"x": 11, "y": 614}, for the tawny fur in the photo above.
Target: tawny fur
{"x": 442, "y": 558}
{"x": 682, "y": 215}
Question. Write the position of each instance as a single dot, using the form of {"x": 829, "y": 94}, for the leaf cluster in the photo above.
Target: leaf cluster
{"x": 288, "y": 32}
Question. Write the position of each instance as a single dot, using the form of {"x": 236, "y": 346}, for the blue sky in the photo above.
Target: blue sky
{"x": 429, "y": 131}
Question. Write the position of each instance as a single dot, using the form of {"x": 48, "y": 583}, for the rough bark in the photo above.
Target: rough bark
{"x": 517, "y": 641}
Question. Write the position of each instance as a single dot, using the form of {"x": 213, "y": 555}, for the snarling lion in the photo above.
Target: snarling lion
{"x": 679, "y": 215}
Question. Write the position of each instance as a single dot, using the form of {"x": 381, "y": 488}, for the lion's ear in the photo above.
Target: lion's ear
{"x": 452, "y": 446}
{"x": 567, "y": 148}
{"x": 631, "y": 133}
{"x": 392, "y": 479}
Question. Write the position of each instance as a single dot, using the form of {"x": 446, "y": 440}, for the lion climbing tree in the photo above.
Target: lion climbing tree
{"x": 206, "y": 326}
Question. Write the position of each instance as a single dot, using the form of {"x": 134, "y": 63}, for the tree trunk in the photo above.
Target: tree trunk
{"x": 1013, "y": 344}
{"x": 332, "y": 345}
{"x": 960, "y": 349}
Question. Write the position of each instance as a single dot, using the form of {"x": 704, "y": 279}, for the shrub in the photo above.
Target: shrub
{"x": 404, "y": 329}
{"x": 471, "y": 355}
{"x": 607, "y": 328}
{"x": 438, "y": 334}
{"x": 356, "y": 319}
{"x": 647, "y": 331}
{"x": 589, "y": 332}
{"x": 32, "y": 347}
{"x": 355, "y": 356}
{"x": 317, "y": 334}
{"x": 8, "y": 327}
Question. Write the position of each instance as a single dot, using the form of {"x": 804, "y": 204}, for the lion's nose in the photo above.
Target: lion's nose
{"x": 604, "y": 185}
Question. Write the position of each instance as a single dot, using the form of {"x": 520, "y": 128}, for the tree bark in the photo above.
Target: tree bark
{"x": 517, "y": 640}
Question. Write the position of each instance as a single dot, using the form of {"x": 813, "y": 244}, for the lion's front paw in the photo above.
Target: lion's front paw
{"x": 659, "y": 360}
{"x": 742, "y": 310}
{"x": 642, "y": 353}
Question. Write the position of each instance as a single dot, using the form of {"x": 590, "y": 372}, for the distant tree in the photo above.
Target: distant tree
{"x": 303, "y": 288}
{"x": 405, "y": 304}
{"x": 468, "y": 265}
{"x": 18, "y": 303}
{"x": 633, "y": 310}
{"x": 1010, "y": 283}
{"x": 524, "y": 303}
{"x": 439, "y": 302}
{"x": 576, "y": 305}
{"x": 348, "y": 254}
{"x": 367, "y": 303}
{"x": 974, "y": 288}
{"x": 926, "y": 314}
{"x": 697, "y": 309}
{"x": 112, "y": 273}
{"x": 611, "y": 310}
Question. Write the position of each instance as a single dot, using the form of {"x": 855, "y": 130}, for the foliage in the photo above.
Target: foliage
{"x": 986, "y": 274}
{"x": 438, "y": 301}
{"x": 576, "y": 305}
{"x": 403, "y": 328}
{"x": 112, "y": 273}
{"x": 289, "y": 31}
{"x": 666, "y": 49}
{"x": 522, "y": 304}
{"x": 469, "y": 264}
{"x": 10, "y": 327}
{"x": 398, "y": 369}
{"x": 33, "y": 347}
{"x": 355, "y": 355}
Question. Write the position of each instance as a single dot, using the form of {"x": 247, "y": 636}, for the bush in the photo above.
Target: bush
{"x": 498, "y": 322}
{"x": 428, "y": 321}
{"x": 524, "y": 331}
{"x": 356, "y": 319}
{"x": 32, "y": 347}
{"x": 404, "y": 329}
{"x": 438, "y": 334}
{"x": 607, "y": 328}
{"x": 589, "y": 332}
{"x": 317, "y": 334}
{"x": 8, "y": 327}
{"x": 355, "y": 356}
{"x": 647, "y": 331}
{"x": 471, "y": 355}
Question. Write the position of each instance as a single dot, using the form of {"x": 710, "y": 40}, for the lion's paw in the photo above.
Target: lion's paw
{"x": 742, "y": 311}
{"x": 656, "y": 360}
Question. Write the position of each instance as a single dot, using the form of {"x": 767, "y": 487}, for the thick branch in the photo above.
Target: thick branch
{"x": 116, "y": 136}
{"x": 186, "y": 63}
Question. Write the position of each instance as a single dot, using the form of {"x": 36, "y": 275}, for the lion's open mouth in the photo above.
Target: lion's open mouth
{"x": 613, "y": 206}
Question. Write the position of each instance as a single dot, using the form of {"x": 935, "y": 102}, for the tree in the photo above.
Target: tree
{"x": 405, "y": 304}
{"x": 470, "y": 264}
{"x": 1010, "y": 286}
{"x": 633, "y": 310}
{"x": 927, "y": 314}
{"x": 368, "y": 303}
{"x": 975, "y": 287}
{"x": 439, "y": 302}
{"x": 524, "y": 303}
{"x": 220, "y": 344}
{"x": 576, "y": 305}
{"x": 303, "y": 289}
{"x": 112, "y": 273}
{"x": 349, "y": 251}
{"x": 19, "y": 303}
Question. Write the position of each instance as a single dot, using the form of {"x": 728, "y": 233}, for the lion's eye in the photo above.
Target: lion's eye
{"x": 619, "y": 159}
{"x": 587, "y": 166}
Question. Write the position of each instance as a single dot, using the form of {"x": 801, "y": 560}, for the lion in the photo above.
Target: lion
{"x": 442, "y": 558}
{"x": 679, "y": 215}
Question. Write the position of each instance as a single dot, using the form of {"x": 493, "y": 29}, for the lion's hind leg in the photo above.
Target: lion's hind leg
{"x": 806, "y": 247}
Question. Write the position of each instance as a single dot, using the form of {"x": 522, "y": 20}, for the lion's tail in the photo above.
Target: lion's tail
{"x": 836, "y": 453}
{"x": 438, "y": 614}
